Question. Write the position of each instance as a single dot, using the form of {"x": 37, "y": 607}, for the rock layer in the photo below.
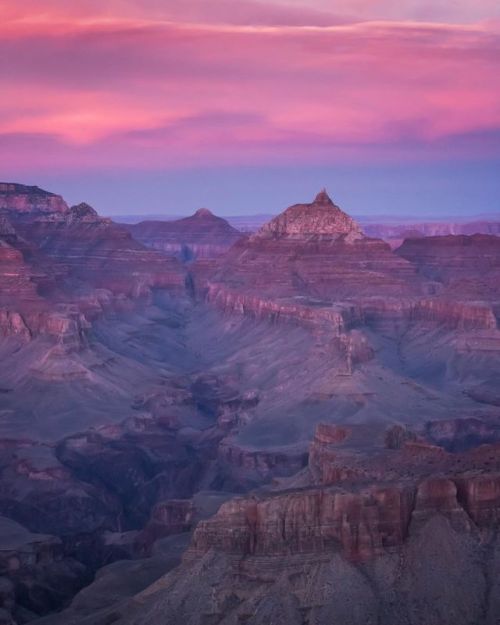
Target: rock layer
{"x": 202, "y": 236}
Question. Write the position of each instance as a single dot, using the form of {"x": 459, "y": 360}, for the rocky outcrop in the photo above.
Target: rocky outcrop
{"x": 82, "y": 246}
{"x": 359, "y": 524}
{"x": 201, "y": 236}
{"x": 174, "y": 516}
{"x": 320, "y": 219}
{"x": 26, "y": 201}
{"x": 13, "y": 324}
{"x": 35, "y": 575}
{"x": 314, "y": 251}
{"x": 362, "y": 498}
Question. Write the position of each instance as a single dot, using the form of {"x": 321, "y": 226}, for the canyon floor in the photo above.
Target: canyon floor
{"x": 298, "y": 426}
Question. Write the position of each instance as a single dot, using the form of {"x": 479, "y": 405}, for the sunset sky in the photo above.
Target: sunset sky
{"x": 246, "y": 106}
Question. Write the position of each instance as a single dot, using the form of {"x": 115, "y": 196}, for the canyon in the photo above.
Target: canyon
{"x": 297, "y": 425}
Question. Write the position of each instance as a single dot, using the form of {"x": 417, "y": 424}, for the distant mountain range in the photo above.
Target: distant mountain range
{"x": 250, "y": 223}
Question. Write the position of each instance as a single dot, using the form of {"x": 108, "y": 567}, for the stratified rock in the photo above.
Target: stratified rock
{"x": 85, "y": 247}
{"x": 396, "y": 233}
{"x": 469, "y": 266}
{"x": 314, "y": 252}
{"x": 321, "y": 218}
{"x": 201, "y": 236}
{"x": 27, "y": 201}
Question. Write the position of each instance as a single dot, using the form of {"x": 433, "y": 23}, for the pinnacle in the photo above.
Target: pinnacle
{"x": 323, "y": 198}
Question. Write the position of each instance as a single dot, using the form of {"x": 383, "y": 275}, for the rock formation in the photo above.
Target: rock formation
{"x": 396, "y": 233}
{"x": 416, "y": 543}
{"x": 203, "y": 235}
{"x": 83, "y": 246}
{"x": 315, "y": 414}
{"x": 469, "y": 266}
{"x": 314, "y": 251}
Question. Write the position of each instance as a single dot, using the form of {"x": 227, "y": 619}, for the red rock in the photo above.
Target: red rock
{"x": 314, "y": 253}
{"x": 27, "y": 201}
{"x": 320, "y": 219}
{"x": 480, "y": 496}
{"x": 378, "y": 494}
{"x": 468, "y": 266}
{"x": 168, "y": 517}
{"x": 85, "y": 246}
{"x": 361, "y": 524}
{"x": 203, "y": 235}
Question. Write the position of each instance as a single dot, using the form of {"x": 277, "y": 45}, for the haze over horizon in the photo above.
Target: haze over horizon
{"x": 163, "y": 107}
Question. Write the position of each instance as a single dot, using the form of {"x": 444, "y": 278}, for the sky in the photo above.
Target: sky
{"x": 163, "y": 106}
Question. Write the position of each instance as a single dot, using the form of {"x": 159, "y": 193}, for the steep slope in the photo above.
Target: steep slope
{"x": 314, "y": 250}
{"x": 469, "y": 266}
{"x": 383, "y": 526}
{"x": 203, "y": 235}
{"x": 308, "y": 362}
{"x": 55, "y": 259}
{"x": 83, "y": 244}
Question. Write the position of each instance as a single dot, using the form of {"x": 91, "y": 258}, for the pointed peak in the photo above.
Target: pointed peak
{"x": 323, "y": 198}
{"x": 84, "y": 212}
{"x": 321, "y": 218}
{"x": 203, "y": 212}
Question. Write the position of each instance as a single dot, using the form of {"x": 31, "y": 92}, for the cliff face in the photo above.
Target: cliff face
{"x": 344, "y": 392}
{"x": 53, "y": 256}
{"x": 361, "y": 497}
{"x": 418, "y": 545}
{"x": 315, "y": 250}
{"x": 360, "y": 525}
{"x": 395, "y": 234}
{"x": 202, "y": 236}
{"x": 469, "y": 266}
{"x": 26, "y": 201}
{"x": 83, "y": 246}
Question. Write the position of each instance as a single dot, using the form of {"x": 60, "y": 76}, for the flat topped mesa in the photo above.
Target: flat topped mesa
{"x": 16, "y": 188}
{"x": 321, "y": 218}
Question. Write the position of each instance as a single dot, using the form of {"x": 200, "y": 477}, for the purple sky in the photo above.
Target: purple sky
{"x": 164, "y": 106}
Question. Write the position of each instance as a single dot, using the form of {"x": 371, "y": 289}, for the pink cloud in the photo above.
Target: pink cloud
{"x": 139, "y": 92}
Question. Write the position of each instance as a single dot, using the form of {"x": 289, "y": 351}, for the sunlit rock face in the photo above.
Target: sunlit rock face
{"x": 201, "y": 236}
